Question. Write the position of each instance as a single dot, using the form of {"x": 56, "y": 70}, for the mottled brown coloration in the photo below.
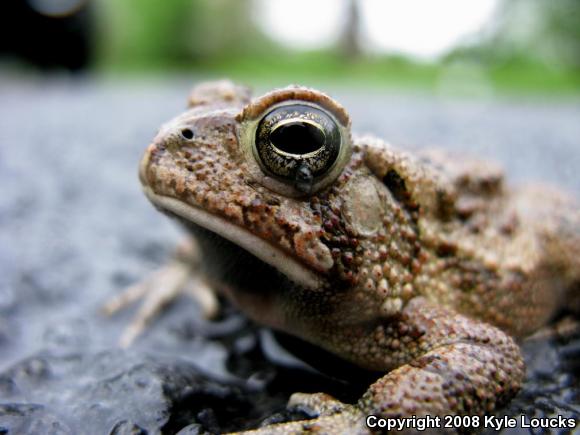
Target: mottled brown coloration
{"x": 397, "y": 262}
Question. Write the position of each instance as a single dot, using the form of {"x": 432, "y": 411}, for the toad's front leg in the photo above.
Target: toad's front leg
{"x": 455, "y": 366}
{"x": 181, "y": 275}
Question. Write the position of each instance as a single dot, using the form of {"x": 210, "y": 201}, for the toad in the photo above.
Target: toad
{"x": 421, "y": 265}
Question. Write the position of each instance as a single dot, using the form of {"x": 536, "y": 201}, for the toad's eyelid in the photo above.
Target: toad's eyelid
{"x": 293, "y": 94}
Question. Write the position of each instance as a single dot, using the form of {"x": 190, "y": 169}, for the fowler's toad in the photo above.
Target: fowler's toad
{"x": 422, "y": 266}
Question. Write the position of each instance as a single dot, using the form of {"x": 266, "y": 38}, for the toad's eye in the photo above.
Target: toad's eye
{"x": 298, "y": 144}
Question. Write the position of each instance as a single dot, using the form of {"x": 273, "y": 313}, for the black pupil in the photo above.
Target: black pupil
{"x": 297, "y": 138}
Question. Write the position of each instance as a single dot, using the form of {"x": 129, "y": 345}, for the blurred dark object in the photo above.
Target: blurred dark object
{"x": 47, "y": 33}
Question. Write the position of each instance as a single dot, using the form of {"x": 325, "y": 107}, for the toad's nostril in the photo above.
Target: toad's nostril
{"x": 297, "y": 137}
{"x": 187, "y": 133}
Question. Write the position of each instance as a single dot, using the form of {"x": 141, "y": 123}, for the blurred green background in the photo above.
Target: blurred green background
{"x": 472, "y": 48}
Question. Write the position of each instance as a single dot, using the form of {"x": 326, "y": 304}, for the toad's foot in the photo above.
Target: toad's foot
{"x": 349, "y": 421}
{"x": 317, "y": 404}
{"x": 158, "y": 290}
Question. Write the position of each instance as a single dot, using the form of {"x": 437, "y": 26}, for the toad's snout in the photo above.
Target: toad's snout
{"x": 144, "y": 164}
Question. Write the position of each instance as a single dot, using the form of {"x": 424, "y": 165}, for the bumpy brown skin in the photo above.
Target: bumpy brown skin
{"x": 416, "y": 257}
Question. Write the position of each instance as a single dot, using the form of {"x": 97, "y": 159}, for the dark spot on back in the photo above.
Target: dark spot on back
{"x": 396, "y": 185}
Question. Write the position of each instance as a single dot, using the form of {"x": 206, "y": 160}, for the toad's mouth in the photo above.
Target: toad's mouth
{"x": 236, "y": 253}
